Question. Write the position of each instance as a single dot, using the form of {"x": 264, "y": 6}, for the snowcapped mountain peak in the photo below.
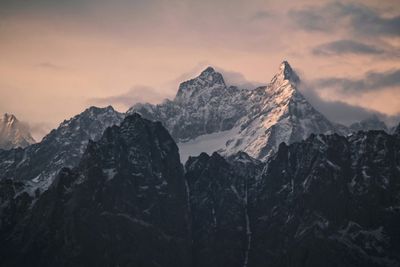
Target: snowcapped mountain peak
{"x": 9, "y": 119}
{"x": 208, "y": 80}
{"x": 207, "y": 116}
{"x": 207, "y": 71}
{"x": 283, "y": 87}
{"x": 209, "y": 74}
{"x": 13, "y": 133}
{"x": 286, "y": 73}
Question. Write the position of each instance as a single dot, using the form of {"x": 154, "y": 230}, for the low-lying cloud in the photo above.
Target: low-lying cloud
{"x": 39, "y": 129}
{"x": 338, "y": 111}
{"x": 137, "y": 94}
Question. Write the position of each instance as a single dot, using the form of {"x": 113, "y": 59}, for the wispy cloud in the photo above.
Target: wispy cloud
{"x": 341, "y": 47}
{"x": 39, "y": 129}
{"x": 261, "y": 15}
{"x": 338, "y": 111}
{"x": 371, "y": 81}
{"x": 237, "y": 79}
{"x": 359, "y": 18}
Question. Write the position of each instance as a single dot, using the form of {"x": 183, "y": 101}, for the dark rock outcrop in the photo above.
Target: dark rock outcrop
{"x": 126, "y": 204}
{"x": 326, "y": 201}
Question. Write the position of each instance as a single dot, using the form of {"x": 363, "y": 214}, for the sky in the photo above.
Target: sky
{"x": 59, "y": 57}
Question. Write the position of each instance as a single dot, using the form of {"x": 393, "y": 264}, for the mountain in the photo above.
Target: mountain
{"x": 13, "y": 133}
{"x": 280, "y": 113}
{"x": 206, "y": 115}
{"x": 126, "y": 204}
{"x": 202, "y": 106}
{"x": 371, "y": 123}
{"x": 326, "y": 201}
{"x": 37, "y": 165}
{"x": 220, "y": 192}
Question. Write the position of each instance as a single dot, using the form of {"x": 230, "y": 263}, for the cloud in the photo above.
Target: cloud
{"x": 358, "y": 17}
{"x": 39, "y": 129}
{"x": 311, "y": 19}
{"x": 370, "y": 82}
{"x": 126, "y": 100}
{"x": 341, "y": 47}
{"x": 237, "y": 79}
{"x": 261, "y": 15}
{"x": 337, "y": 111}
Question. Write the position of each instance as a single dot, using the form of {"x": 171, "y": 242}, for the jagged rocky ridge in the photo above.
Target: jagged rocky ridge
{"x": 38, "y": 164}
{"x": 126, "y": 204}
{"x": 207, "y": 115}
{"x": 371, "y": 123}
{"x": 326, "y": 201}
{"x": 13, "y": 133}
{"x": 26, "y": 173}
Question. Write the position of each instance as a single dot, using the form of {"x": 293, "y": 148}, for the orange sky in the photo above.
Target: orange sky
{"x": 58, "y": 58}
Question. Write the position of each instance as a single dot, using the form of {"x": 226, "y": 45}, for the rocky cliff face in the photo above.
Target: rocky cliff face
{"x": 325, "y": 201}
{"x": 13, "y": 133}
{"x": 220, "y": 193}
{"x": 334, "y": 200}
{"x": 126, "y": 204}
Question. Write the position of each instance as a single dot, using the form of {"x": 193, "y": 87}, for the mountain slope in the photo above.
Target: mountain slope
{"x": 124, "y": 205}
{"x": 282, "y": 114}
{"x": 13, "y": 133}
{"x": 37, "y": 165}
{"x": 207, "y": 116}
{"x": 326, "y": 201}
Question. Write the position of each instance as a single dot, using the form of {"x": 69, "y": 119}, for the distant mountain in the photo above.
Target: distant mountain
{"x": 202, "y": 106}
{"x": 206, "y": 115}
{"x": 126, "y": 204}
{"x": 37, "y": 165}
{"x": 326, "y": 201}
{"x": 279, "y": 113}
{"x": 371, "y": 123}
{"x": 13, "y": 133}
